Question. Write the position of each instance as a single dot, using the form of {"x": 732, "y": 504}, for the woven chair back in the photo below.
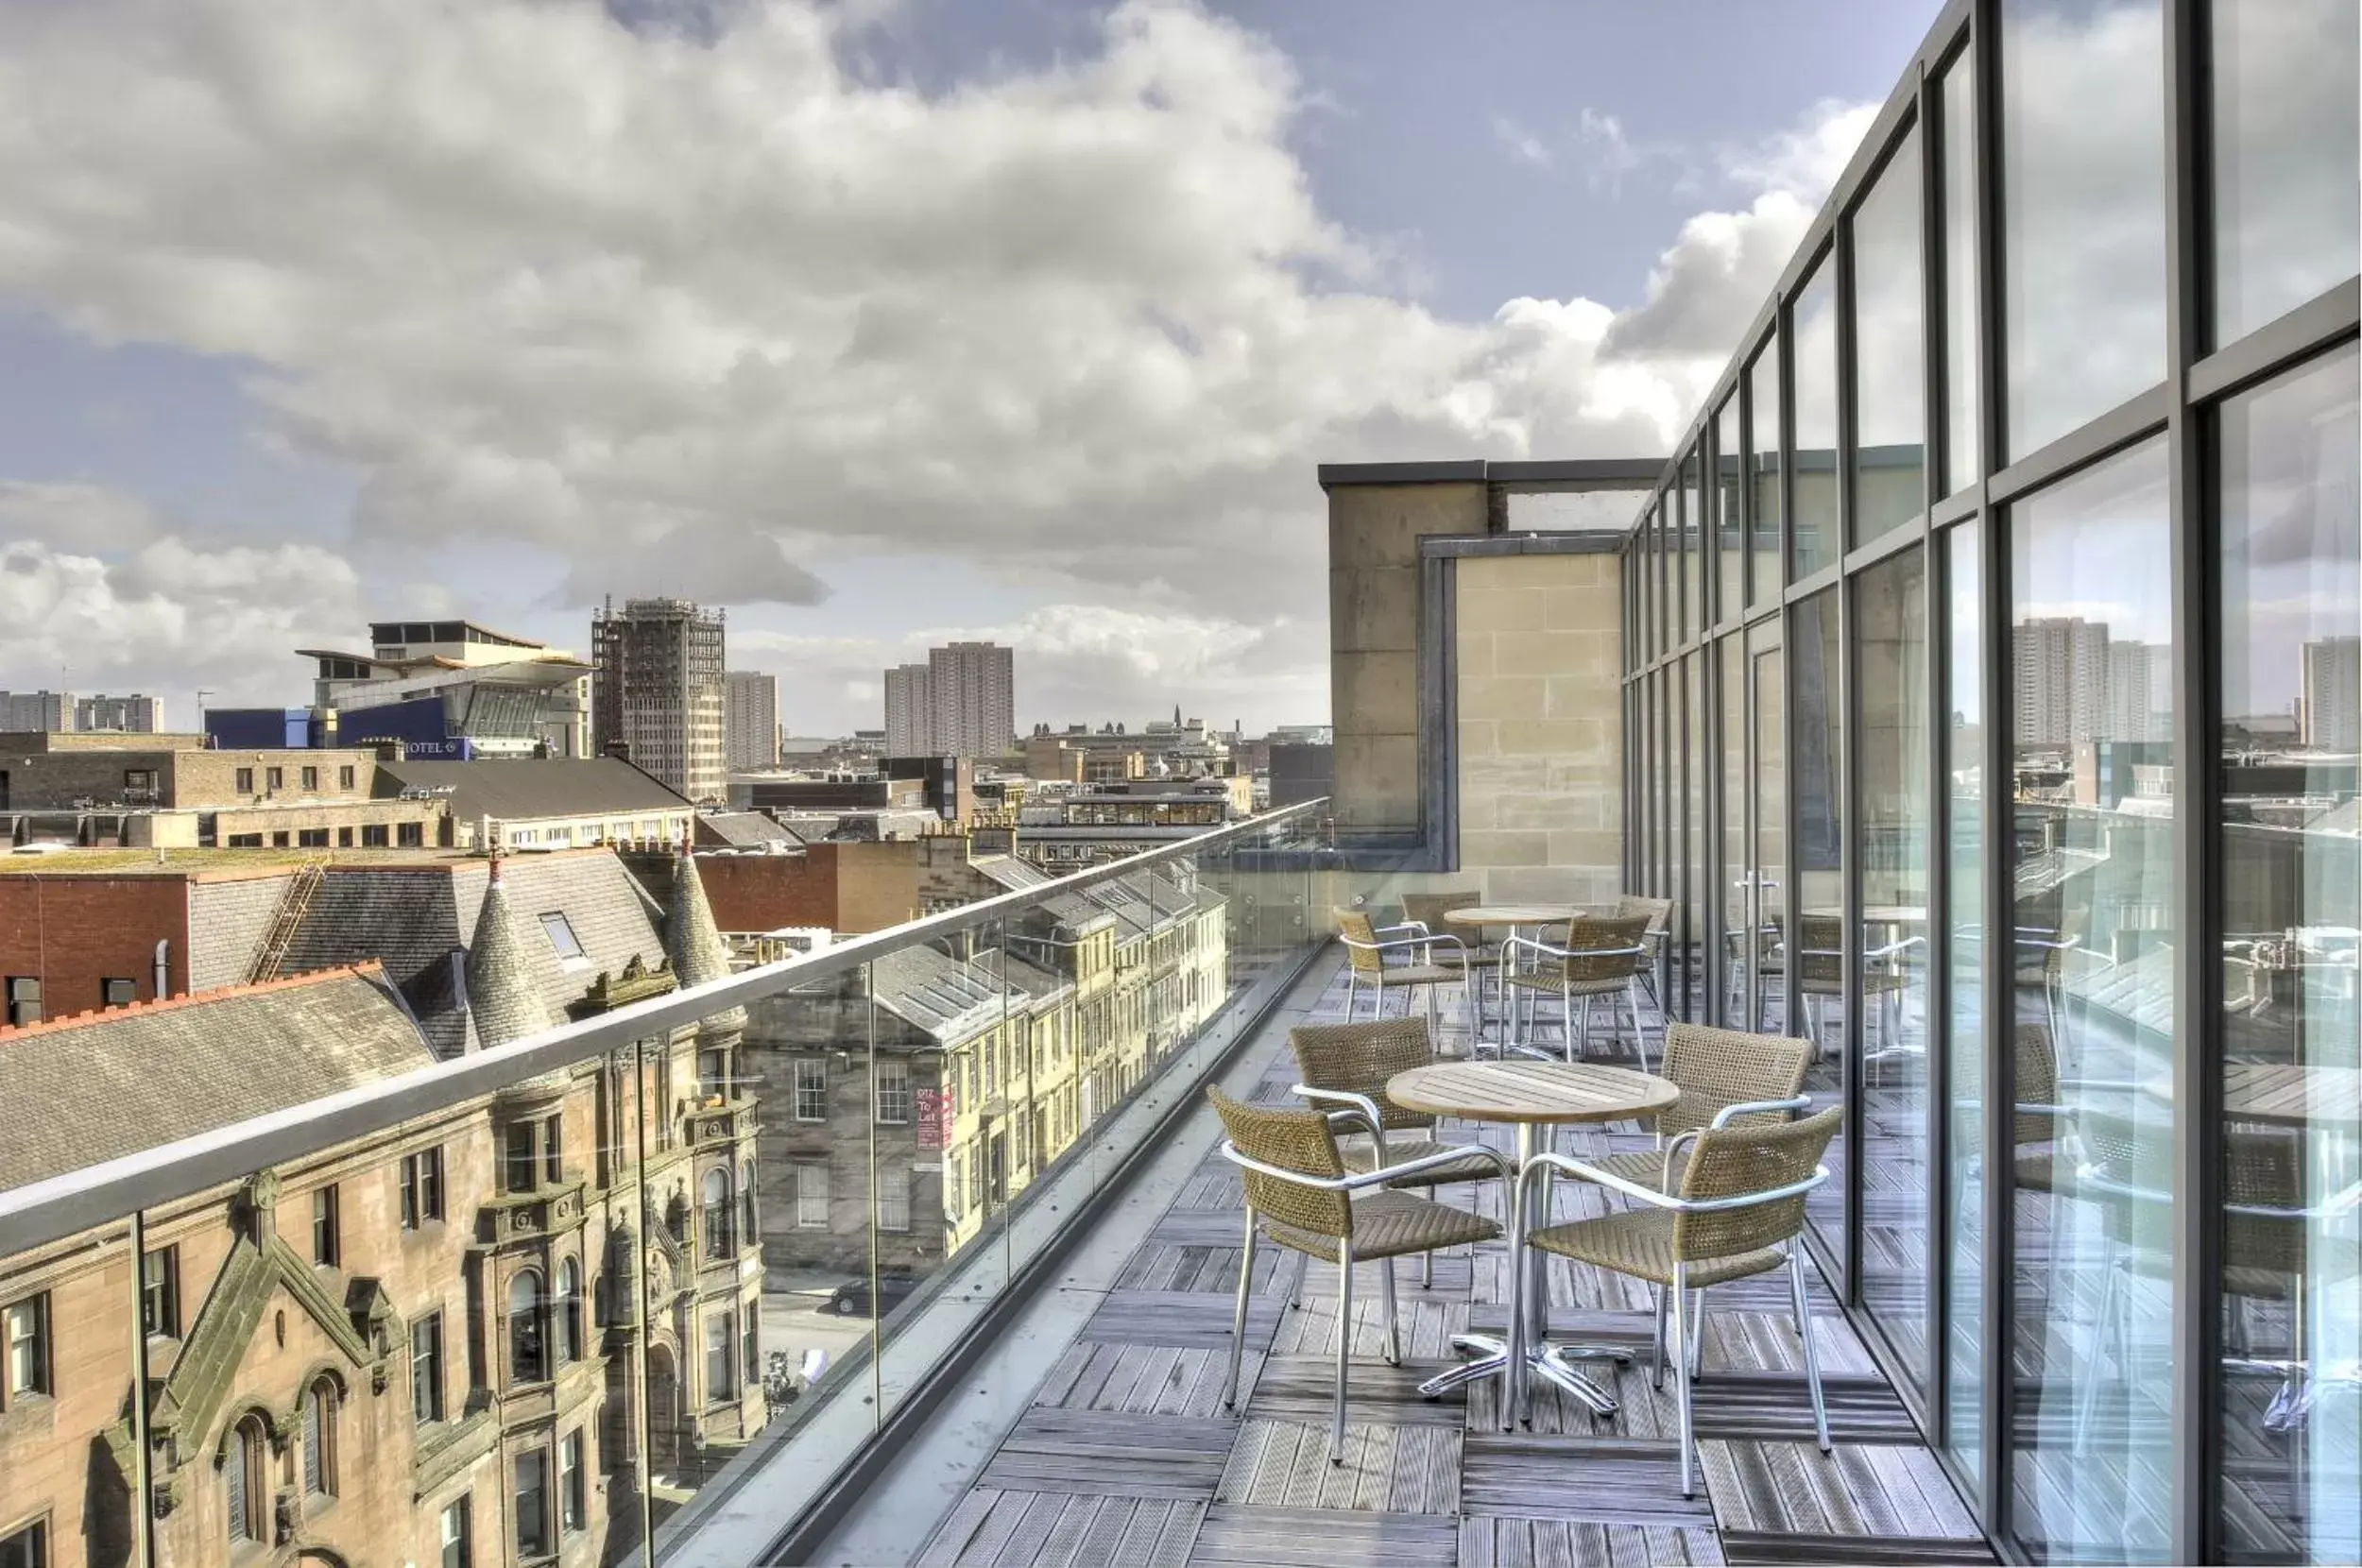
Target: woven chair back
{"x": 1360, "y": 1058}
{"x": 1292, "y": 1140}
{"x": 1714, "y": 1067}
{"x": 1429, "y": 908}
{"x": 1600, "y": 948}
{"x": 2037, "y": 1083}
{"x": 1820, "y": 965}
{"x": 1362, "y": 940}
{"x": 2136, "y": 1158}
{"x": 2263, "y": 1167}
{"x": 1657, "y": 912}
{"x": 1733, "y": 1161}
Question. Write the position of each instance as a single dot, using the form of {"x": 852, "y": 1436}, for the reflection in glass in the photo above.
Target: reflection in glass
{"x": 1730, "y": 561}
{"x": 1890, "y": 661}
{"x": 2083, "y": 209}
{"x": 1890, "y": 359}
{"x": 1690, "y": 987}
{"x": 1765, "y": 976}
{"x": 1963, "y": 1026}
{"x": 1819, "y": 947}
{"x": 1690, "y": 520}
{"x": 2290, "y": 912}
{"x": 1764, "y": 577}
{"x": 1813, "y": 424}
{"x": 2092, "y": 1023}
{"x": 1958, "y": 146}
{"x": 1738, "y": 913}
{"x": 2287, "y": 221}
{"x": 1695, "y": 573}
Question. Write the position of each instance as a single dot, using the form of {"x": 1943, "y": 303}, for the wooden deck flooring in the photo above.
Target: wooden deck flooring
{"x": 1126, "y": 1455}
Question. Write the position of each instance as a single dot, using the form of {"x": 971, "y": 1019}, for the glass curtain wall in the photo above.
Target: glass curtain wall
{"x": 2084, "y": 976}
{"x": 2290, "y": 902}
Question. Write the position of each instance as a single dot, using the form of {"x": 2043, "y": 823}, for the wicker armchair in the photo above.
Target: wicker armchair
{"x": 1382, "y": 957}
{"x": 2265, "y": 1225}
{"x": 1738, "y": 1212}
{"x": 1659, "y": 914}
{"x": 1601, "y": 957}
{"x": 1771, "y": 956}
{"x": 1300, "y": 1195}
{"x": 1425, "y": 912}
{"x": 1347, "y": 1066}
{"x": 1726, "y": 1078}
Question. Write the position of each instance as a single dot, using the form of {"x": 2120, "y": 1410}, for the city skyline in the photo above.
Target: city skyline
{"x": 184, "y": 489}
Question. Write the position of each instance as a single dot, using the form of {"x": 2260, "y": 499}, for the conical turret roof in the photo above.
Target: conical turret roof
{"x": 501, "y": 993}
{"x": 693, "y": 941}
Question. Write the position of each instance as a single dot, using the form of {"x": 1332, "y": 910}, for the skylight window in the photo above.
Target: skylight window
{"x": 561, "y": 935}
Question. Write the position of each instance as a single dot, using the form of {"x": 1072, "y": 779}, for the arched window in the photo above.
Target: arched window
{"x": 569, "y": 1311}
{"x": 717, "y": 1206}
{"x": 526, "y": 1363}
{"x": 319, "y": 1440}
{"x": 246, "y": 1482}
{"x": 748, "y": 1229}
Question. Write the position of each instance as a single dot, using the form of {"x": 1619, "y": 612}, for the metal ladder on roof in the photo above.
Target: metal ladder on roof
{"x": 293, "y": 905}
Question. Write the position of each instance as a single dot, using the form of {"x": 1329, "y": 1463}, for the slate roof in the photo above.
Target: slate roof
{"x": 743, "y": 830}
{"x": 529, "y": 787}
{"x": 100, "y": 1085}
{"x": 935, "y": 993}
{"x": 418, "y": 918}
{"x": 693, "y": 941}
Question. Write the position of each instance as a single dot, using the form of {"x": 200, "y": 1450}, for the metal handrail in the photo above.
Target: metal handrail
{"x": 43, "y": 1212}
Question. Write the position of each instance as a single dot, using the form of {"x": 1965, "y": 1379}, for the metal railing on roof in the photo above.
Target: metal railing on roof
{"x": 47, "y": 1211}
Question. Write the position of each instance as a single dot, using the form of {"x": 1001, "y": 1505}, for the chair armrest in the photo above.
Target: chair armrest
{"x": 1304, "y": 1179}
{"x": 1749, "y": 1107}
{"x": 1430, "y": 1162}
{"x": 1357, "y": 1106}
{"x": 1666, "y": 1201}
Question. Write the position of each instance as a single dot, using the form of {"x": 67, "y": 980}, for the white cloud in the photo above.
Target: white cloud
{"x": 1522, "y": 144}
{"x": 73, "y": 516}
{"x": 1803, "y": 161}
{"x": 702, "y": 305}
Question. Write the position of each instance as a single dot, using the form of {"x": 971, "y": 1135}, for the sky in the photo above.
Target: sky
{"x": 878, "y": 322}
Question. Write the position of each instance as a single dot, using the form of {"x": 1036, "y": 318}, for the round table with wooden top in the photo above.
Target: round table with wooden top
{"x": 2286, "y": 1094}
{"x": 1530, "y": 1095}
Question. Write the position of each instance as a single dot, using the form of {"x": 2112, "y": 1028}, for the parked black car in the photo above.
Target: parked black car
{"x": 852, "y": 1301}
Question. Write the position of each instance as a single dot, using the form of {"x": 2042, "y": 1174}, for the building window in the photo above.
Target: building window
{"x": 812, "y": 1090}
{"x": 118, "y": 993}
{"x": 521, "y": 1168}
{"x": 246, "y": 841}
{"x": 426, "y": 1368}
{"x": 749, "y": 1231}
{"x": 421, "y": 1187}
{"x": 274, "y": 778}
{"x": 714, "y": 1073}
{"x": 533, "y": 1504}
{"x": 573, "y": 1484}
{"x": 344, "y": 777}
{"x": 28, "y": 1548}
{"x": 526, "y": 1362}
{"x": 24, "y": 1000}
{"x": 894, "y": 1199}
{"x": 344, "y": 838}
{"x": 279, "y": 841}
{"x": 717, "y": 1214}
{"x": 561, "y": 934}
{"x": 459, "y": 1535}
{"x": 812, "y": 1197}
{"x": 554, "y": 1150}
{"x": 319, "y": 1440}
{"x": 720, "y": 1331}
{"x": 566, "y": 1312}
{"x": 25, "y": 1325}
{"x": 326, "y": 1244}
{"x": 244, "y": 1482}
{"x": 312, "y": 838}
{"x": 246, "y": 781}
{"x": 372, "y": 835}
{"x": 749, "y": 1339}
{"x": 160, "y": 1293}
{"x": 311, "y": 780}
{"x": 139, "y": 780}
{"x": 894, "y": 1093}
{"x": 409, "y": 836}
